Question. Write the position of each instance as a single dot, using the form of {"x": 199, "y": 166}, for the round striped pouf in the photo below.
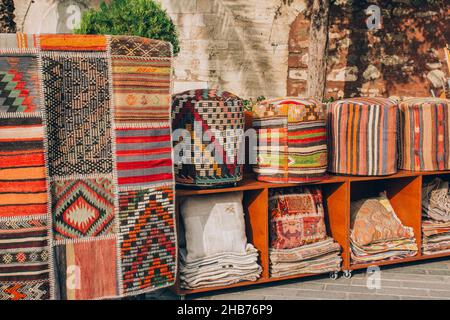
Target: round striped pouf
{"x": 425, "y": 134}
{"x": 292, "y": 140}
{"x": 363, "y": 136}
{"x": 208, "y": 128}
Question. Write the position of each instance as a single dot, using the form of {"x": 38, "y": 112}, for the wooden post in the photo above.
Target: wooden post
{"x": 318, "y": 46}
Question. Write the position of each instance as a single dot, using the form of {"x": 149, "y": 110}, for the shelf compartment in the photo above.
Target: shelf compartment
{"x": 255, "y": 201}
{"x": 335, "y": 198}
{"x": 404, "y": 194}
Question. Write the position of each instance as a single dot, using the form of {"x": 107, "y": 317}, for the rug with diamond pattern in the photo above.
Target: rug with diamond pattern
{"x": 86, "y": 177}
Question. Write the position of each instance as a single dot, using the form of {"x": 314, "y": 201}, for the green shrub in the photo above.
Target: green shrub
{"x": 145, "y": 18}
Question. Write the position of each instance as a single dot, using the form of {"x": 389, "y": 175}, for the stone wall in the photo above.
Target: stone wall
{"x": 237, "y": 45}
{"x": 259, "y": 47}
{"x": 403, "y": 58}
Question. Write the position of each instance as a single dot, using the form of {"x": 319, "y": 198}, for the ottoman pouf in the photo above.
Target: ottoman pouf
{"x": 214, "y": 121}
{"x": 292, "y": 140}
{"x": 363, "y": 136}
{"x": 425, "y": 134}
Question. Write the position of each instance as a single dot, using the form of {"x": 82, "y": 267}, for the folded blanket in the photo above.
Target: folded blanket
{"x": 319, "y": 257}
{"x": 221, "y": 279}
{"x": 219, "y": 269}
{"x": 388, "y": 250}
{"x": 304, "y": 252}
{"x": 327, "y": 263}
{"x": 436, "y": 217}
{"x": 436, "y": 200}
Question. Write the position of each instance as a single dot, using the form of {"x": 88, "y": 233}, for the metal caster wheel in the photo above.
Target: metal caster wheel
{"x": 347, "y": 274}
{"x": 334, "y": 275}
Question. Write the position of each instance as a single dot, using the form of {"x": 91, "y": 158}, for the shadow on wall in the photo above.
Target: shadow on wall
{"x": 241, "y": 46}
{"x": 403, "y": 58}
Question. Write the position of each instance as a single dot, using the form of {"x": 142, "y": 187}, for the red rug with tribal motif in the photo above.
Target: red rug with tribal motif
{"x": 86, "y": 178}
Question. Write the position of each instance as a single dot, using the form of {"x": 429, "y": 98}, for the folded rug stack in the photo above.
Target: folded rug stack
{"x": 299, "y": 242}
{"x": 216, "y": 252}
{"x": 436, "y": 217}
{"x": 377, "y": 233}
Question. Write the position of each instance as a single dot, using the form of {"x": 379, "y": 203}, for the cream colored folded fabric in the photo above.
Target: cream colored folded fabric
{"x": 213, "y": 224}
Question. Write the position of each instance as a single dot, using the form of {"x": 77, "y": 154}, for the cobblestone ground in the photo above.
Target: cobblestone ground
{"x": 424, "y": 280}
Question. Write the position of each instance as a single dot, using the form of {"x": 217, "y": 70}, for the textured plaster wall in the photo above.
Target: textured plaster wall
{"x": 236, "y": 45}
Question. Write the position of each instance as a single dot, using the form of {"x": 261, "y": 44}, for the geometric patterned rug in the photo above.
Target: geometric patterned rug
{"x": 86, "y": 176}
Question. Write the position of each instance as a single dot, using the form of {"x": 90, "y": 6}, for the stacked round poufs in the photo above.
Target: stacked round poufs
{"x": 425, "y": 134}
{"x": 292, "y": 140}
{"x": 213, "y": 121}
{"x": 363, "y": 136}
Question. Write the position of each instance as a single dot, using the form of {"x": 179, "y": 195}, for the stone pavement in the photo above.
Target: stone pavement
{"x": 420, "y": 280}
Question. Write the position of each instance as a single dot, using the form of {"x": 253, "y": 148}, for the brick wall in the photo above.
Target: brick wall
{"x": 404, "y": 58}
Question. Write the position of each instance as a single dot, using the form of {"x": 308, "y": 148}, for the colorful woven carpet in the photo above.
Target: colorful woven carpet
{"x": 213, "y": 121}
{"x": 425, "y": 134}
{"x": 363, "y": 136}
{"x": 86, "y": 180}
{"x": 292, "y": 140}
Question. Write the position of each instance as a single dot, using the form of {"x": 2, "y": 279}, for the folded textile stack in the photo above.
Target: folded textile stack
{"x": 299, "y": 242}
{"x": 220, "y": 269}
{"x": 377, "y": 233}
{"x": 216, "y": 252}
{"x": 436, "y": 217}
{"x": 319, "y": 257}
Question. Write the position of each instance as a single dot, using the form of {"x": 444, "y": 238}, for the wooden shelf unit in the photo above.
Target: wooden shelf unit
{"x": 404, "y": 190}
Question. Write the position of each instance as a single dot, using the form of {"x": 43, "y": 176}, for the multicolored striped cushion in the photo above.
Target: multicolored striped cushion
{"x": 214, "y": 120}
{"x": 425, "y": 134}
{"x": 292, "y": 140}
{"x": 363, "y": 136}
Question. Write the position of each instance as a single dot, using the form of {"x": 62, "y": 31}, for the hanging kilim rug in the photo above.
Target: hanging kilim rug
{"x": 86, "y": 178}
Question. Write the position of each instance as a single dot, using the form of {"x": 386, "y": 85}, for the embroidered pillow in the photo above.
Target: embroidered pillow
{"x": 374, "y": 220}
{"x": 213, "y": 224}
{"x": 297, "y": 217}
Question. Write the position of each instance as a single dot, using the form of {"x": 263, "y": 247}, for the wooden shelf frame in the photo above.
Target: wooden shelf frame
{"x": 404, "y": 190}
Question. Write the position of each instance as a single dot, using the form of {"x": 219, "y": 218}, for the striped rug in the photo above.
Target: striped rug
{"x": 425, "y": 134}
{"x": 292, "y": 138}
{"x": 23, "y": 190}
{"x": 363, "y": 134}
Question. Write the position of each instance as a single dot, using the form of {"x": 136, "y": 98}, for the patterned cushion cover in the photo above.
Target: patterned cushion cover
{"x": 297, "y": 217}
{"x": 374, "y": 220}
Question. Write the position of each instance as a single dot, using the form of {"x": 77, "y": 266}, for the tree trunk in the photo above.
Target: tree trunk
{"x": 7, "y": 23}
{"x": 318, "y": 47}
